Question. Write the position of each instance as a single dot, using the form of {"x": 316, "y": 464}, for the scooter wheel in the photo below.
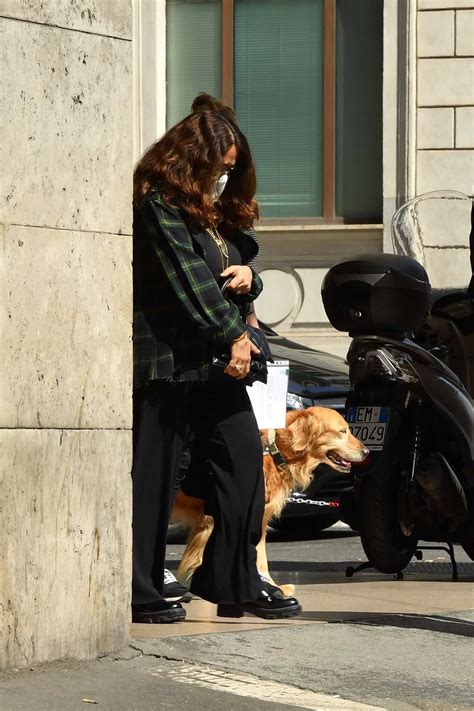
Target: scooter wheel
{"x": 387, "y": 547}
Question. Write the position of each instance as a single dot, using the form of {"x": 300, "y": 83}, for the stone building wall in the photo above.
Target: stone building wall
{"x": 65, "y": 319}
{"x": 445, "y": 127}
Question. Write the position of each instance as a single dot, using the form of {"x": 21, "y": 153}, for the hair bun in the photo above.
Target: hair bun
{"x": 206, "y": 102}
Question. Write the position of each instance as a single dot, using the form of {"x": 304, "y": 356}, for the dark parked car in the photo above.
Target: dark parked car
{"x": 316, "y": 379}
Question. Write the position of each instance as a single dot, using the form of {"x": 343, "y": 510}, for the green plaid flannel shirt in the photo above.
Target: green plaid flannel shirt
{"x": 180, "y": 316}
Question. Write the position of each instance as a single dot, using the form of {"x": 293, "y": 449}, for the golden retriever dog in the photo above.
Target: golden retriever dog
{"x": 311, "y": 437}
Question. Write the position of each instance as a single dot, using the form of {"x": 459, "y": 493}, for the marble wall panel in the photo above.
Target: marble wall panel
{"x": 65, "y": 549}
{"x": 442, "y": 222}
{"x": 445, "y": 170}
{"x": 443, "y": 4}
{"x": 465, "y": 127}
{"x": 106, "y": 17}
{"x": 448, "y": 268}
{"x": 465, "y": 33}
{"x": 436, "y": 34}
{"x": 446, "y": 82}
{"x": 68, "y": 98}
{"x": 65, "y": 318}
{"x": 435, "y": 128}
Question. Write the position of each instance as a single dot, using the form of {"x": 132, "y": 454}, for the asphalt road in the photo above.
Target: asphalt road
{"x": 326, "y": 551}
{"x": 398, "y": 662}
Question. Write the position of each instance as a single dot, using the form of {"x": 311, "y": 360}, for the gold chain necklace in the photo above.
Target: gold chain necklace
{"x": 220, "y": 242}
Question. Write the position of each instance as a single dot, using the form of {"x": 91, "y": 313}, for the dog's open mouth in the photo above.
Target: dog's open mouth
{"x": 344, "y": 465}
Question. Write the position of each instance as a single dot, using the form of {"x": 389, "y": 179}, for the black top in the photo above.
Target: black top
{"x": 215, "y": 259}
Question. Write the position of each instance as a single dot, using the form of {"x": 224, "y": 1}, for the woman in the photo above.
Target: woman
{"x": 193, "y": 209}
{"x": 206, "y": 102}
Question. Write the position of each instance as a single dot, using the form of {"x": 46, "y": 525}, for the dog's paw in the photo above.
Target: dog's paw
{"x": 287, "y": 590}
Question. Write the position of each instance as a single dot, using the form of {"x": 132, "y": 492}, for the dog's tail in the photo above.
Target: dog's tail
{"x": 196, "y": 543}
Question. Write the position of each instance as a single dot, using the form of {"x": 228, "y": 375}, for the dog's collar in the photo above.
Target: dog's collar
{"x": 272, "y": 449}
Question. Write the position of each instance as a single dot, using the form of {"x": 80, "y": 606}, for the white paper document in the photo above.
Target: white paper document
{"x": 269, "y": 401}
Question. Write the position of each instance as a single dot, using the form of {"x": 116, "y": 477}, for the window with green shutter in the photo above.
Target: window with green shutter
{"x": 305, "y": 80}
{"x": 193, "y": 54}
{"x": 278, "y": 97}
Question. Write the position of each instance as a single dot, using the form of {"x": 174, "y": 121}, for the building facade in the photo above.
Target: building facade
{"x": 351, "y": 108}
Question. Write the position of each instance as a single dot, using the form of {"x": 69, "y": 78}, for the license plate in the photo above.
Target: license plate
{"x": 369, "y": 424}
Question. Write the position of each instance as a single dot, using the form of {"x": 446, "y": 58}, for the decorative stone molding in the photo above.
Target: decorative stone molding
{"x": 149, "y": 69}
{"x": 399, "y": 90}
{"x": 293, "y": 262}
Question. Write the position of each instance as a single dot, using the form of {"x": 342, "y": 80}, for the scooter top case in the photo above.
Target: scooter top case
{"x": 376, "y": 294}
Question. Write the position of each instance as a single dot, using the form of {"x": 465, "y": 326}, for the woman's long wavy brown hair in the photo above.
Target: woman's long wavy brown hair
{"x": 184, "y": 165}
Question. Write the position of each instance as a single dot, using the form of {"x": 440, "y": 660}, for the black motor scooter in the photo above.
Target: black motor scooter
{"x": 412, "y": 379}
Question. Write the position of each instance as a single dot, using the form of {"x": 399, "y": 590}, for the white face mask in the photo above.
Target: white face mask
{"x": 219, "y": 186}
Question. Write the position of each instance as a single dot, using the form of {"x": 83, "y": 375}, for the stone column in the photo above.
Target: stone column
{"x": 65, "y": 315}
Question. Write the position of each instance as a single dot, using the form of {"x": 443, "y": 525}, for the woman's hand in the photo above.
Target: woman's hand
{"x": 252, "y": 320}
{"x": 241, "y": 278}
{"x": 240, "y": 358}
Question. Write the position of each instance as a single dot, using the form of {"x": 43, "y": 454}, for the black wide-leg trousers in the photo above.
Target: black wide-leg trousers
{"x": 227, "y": 452}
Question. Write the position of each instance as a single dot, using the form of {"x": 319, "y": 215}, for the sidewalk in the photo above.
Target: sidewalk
{"x": 333, "y": 599}
{"x": 397, "y": 645}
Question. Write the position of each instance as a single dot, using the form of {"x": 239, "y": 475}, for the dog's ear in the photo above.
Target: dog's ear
{"x": 305, "y": 429}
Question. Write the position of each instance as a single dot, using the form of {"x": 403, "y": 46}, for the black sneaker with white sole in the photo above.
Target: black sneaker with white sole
{"x": 173, "y": 590}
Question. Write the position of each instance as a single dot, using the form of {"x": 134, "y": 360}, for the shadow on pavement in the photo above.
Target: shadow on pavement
{"x": 427, "y": 622}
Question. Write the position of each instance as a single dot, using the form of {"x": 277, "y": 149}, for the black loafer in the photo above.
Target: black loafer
{"x": 159, "y": 611}
{"x": 268, "y": 607}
